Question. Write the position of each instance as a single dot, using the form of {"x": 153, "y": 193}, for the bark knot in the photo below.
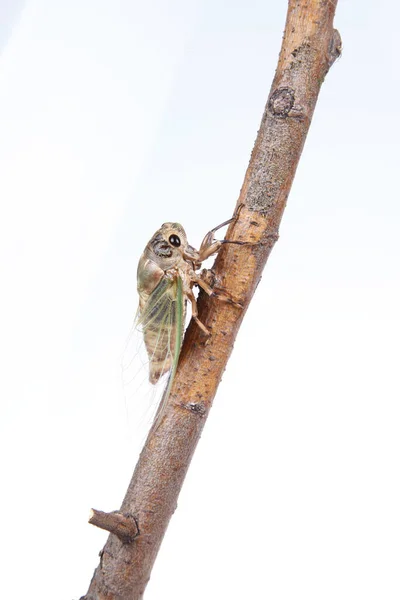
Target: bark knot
{"x": 198, "y": 408}
{"x": 281, "y": 102}
{"x": 335, "y": 48}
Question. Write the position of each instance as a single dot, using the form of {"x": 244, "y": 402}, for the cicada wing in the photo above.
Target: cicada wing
{"x": 135, "y": 364}
{"x": 147, "y": 338}
{"x": 158, "y": 323}
{"x": 155, "y": 344}
{"x": 178, "y": 314}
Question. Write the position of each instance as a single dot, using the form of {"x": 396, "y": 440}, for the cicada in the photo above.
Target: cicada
{"x": 167, "y": 272}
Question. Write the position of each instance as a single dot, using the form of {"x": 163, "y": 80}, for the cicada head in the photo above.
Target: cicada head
{"x": 166, "y": 245}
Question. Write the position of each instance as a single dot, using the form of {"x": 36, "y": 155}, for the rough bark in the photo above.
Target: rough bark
{"x": 310, "y": 46}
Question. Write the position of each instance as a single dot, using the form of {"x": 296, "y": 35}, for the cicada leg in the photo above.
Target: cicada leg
{"x": 220, "y": 295}
{"x": 190, "y": 296}
{"x": 231, "y": 220}
{"x": 212, "y": 291}
{"x": 210, "y": 246}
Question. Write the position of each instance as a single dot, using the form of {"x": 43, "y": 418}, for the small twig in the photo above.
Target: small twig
{"x": 122, "y": 525}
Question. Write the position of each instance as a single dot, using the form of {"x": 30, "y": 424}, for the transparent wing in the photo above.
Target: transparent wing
{"x": 153, "y": 349}
{"x": 178, "y": 329}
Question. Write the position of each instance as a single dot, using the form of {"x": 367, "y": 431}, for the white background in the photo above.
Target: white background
{"x": 116, "y": 117}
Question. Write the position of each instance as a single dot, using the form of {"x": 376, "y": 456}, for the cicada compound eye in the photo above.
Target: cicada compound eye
{"x": 174, "y": 240}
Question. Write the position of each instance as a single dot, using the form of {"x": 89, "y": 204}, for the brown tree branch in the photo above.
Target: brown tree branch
{"x": 310, "y": 46}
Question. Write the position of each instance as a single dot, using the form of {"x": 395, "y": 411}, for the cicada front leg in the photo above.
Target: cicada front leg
{"x": 210, "y": 245}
